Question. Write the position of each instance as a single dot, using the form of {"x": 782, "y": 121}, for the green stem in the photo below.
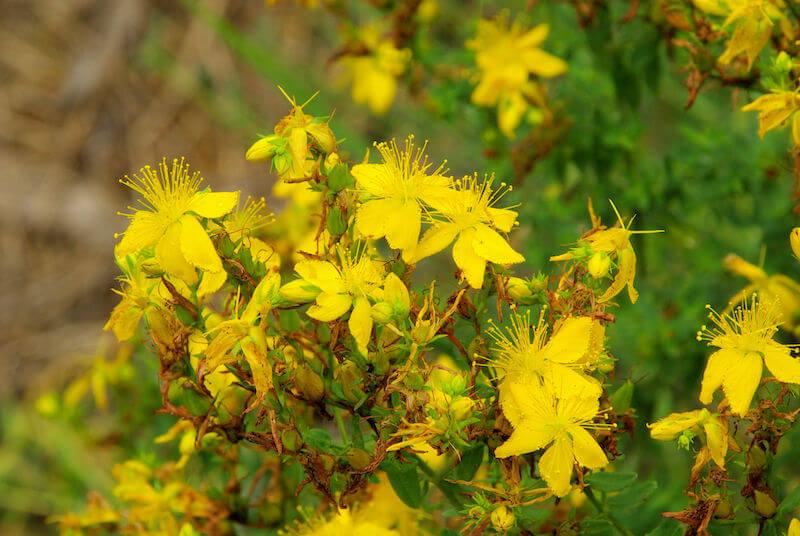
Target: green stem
{"x": 337, "y": 415}
{"x": 600, "y": 509}
{"x": 447, "y": 489}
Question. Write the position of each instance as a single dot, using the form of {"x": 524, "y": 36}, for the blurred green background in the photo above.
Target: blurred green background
{"x": 94, "y": 90}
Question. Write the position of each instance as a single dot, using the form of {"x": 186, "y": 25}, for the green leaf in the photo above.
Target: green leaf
{"x": 667, "y": 528}
{"x": 470, "y": 462}
{"x": 790, "y": 503}
{"x": 611, "y": 481}
{"x": 622, "y": 397}
{"x": 318, "y": 438}
{"x": 597, "y": 526}
{"x": 633, "y": 496}
{"x": 404, "y": 478}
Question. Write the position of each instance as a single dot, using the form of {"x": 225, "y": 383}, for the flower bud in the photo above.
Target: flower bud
{"x": 723, "y": 509}
{"x": 331, "y": 161}
{"x": 502, "y": 518}
{"x": 291, "y": 440}
{"x": 599, "y": 265}
{"x": 358, "y": 458}
{"x": 461, "y": 407}
{"x": 263, "y": 149}
{"x": 336, "y": 221}
{"x": 794, "y": 240}
{"x": 765, "y": 505}
{"x": 323, "y": 135}
{"x": 382, "y": 313}
{"x": 309, "y": 383}
{"x": 299, "y": 291}
{"x": 339, "y": 177}
{"x": 519, "y": 290}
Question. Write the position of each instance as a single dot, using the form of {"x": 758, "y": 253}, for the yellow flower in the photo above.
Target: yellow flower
{"x": 468, "y": 216}
{"x": 774, "y": 110}
{"x": 393, "y": 193}
{"x": 169, "y": 219}
{"x": 290, "y": 146}
{"x": 561, "y": 423}
{"x": 138, "y": 293}
{"x": 778, "y": 288}
{"x": 374, "y": 71}
{"x": 243, "y": 225}
{"x": 617, "y": 243}
{"x": 348, "y": 285}
{"x": 714, "y": 427}
{"x": 794, "y": 527}
{"x": 745, "y": 338}
{"x": 506, "y": 57}
{"x": 752, "y": 31}
{"x": 524, "y": 356}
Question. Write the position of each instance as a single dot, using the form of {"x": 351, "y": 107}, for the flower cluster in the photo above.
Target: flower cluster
{"x": 329, "y": 349}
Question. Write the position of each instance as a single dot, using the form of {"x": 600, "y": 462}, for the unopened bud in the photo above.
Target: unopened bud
{"x": 358, "y": 458}
{"x": 263, "y": 149}
{"x": 599, "y": 265}
{"x": 336, "y": 221}
{"x": 519, "y": 290}
{"x": 382, "y": 313}
{"x": 299, "y": 291}
{"x": 794, "y": 240}
{"x": 461, "y": 408}
{"x": 309, "y": 383}
{"x": 765, "y": 505}
{"x": 502, "y": 518}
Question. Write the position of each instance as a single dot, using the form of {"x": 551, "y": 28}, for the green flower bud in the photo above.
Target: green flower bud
{"x": 336, "y": 221}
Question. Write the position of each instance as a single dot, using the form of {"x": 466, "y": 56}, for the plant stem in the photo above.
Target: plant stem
{"x": 600, "y": 509}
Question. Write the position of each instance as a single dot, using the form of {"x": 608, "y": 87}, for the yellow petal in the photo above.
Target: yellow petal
{"x": 571, "y": 342}
{"x": 124, "y": 319}
{"x": 794, "y": 527}
{"x": 502, "y": 218}
{"x": 396, "y": 293}
{"x": 543, "y": 64}
{"x": 144, "y": 230}
{"x": 796, "y": 129}
{"x": 330, "y": 306}
{"x": 670, "y": 426}
{"x": 321, "y": 274}
{"x": 565, "y": 379}
{"x": 433, "y": 241}
{"x": 741, "y": 381}
{"x": 528, "y": 437}
{"x": 170, "y": 258}
{"x": 718, "y": 364}
{"x": 493, "y": 247}
{"x": 781, "y": 364}
{"x": 211, "y": 282}
{"x": 360, "y": 324}
{"x": 260, "y": 368}
{"x": 371, "y": 178}
{"x": 717, "y": 439}
{"x": 213, "y": 204}
{"x": 587, "y": 452}
{"x": 555, "y": 466}
{"x": 399, "y": 222}
{"x": 626, "y": 271}
{"x": 197, "y": 247}
{"x": 472, "y": 265}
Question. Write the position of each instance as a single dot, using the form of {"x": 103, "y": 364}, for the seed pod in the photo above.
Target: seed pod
{"x": 765, "y": 505}
{"x": 358, "y": 458}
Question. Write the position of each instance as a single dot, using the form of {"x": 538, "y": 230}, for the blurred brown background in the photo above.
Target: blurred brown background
{"x": 89, "y": 91}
